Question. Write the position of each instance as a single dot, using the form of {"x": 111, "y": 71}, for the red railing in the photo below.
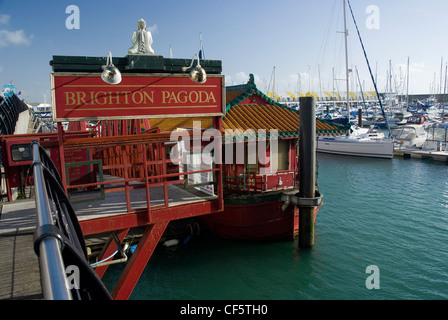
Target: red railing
{"x": 255, "y": 182}
{"x": 130, "y": 162}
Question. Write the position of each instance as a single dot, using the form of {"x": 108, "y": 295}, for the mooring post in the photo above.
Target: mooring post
{"x": 360, "y": 117}
{"x": 307, "y": 170}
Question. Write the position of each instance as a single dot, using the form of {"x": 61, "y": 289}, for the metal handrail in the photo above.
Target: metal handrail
{"x": 58, "y": 240}
{"x": 50, "y": 256}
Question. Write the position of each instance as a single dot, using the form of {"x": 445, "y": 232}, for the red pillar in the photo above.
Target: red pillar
{"x": 110, "y": 248}
{"x": 217, "y": 124}
{"x": 61, "y": 155}
{"x": 138, "y": 261}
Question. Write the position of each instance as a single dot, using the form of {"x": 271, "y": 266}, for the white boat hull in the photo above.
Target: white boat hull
{"x": 355, "y": 147}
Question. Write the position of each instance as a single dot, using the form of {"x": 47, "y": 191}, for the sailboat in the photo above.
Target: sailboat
{"x": 355, "y": 144}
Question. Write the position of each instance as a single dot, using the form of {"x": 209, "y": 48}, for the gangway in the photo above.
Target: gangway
{"x": 117, "y": 179}
{"x": 124, "y": 182}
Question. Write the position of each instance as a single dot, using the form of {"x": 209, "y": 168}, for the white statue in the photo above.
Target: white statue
{"x": 141, "y": 40}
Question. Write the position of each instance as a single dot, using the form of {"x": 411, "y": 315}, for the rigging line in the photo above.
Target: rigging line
{"x": 326, "y": 36}
{"x": 368, "y": 65}
{"x": 270, "y": 81}
{"x": 338, "y": 63}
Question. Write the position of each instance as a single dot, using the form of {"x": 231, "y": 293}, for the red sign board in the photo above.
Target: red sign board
{"x": 85, "y": 96}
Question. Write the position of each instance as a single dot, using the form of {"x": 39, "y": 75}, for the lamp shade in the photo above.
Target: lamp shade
{"x": 110, "y": 73}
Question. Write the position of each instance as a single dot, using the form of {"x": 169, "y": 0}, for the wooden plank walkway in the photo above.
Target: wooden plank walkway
{"x": 19, "y": 267}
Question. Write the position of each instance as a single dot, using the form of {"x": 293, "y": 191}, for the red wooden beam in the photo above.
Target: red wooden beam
{"x": 138, "y": 261}
{"x": 217, "y": 123}
{"x": 131, "y": 220}
{"x": 110, "y": 248}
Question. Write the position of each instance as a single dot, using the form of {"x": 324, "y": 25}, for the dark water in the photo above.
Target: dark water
{"x": 392, "y": 214}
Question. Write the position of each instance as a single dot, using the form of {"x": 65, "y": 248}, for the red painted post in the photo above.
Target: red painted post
{"x": 164, "y": 170}
{"x": 138, "y": 261}
{"x": 110, "y": 248}
{"x": 146, "y": 176}
{"x": 61, "y": 155}
{"x": 147, "y": 124}
{"x": 126, "y": 176}
{"x": 217, "y": 123}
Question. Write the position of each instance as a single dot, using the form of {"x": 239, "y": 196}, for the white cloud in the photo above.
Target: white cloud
{"x": 298, "y": 82}
{"x": 241, "y": 78}
{"x": 154, "y": 29}
{"x": 16, "y": 38}
{"x": 416, "y": 67}
{"x": 413, "y": 67}
{"x": 4, "y": 19}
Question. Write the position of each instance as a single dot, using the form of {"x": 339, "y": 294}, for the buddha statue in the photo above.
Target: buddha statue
{"x": 141, "y": 40}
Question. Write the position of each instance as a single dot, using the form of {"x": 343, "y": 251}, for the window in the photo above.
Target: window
{"x": 251, "y": 157}
{"x": 21, "y": 152}
{"x": 282, "y": 155}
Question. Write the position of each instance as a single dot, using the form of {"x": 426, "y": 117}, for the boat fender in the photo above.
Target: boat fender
{"x": 170, "y": 243}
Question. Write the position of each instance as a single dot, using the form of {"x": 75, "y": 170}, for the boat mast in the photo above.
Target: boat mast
{"x": 444, "y": 92}
{"x": 390, "y": 87}
{"x": 368, "y": 65}
{"x": 441, "y": 72}
{"x": 407, "y": 87}
{"x": 201, "y": 49}
{"x": 334, "y": 90}
{"x": 273, "y": 85}
{"x": 360, "y": 88}
{"x": 346, "y": 62}
{"x": 320, "y": 81}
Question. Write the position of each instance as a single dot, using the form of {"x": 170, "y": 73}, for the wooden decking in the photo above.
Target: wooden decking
{"x": 19, "y": 267}
{"x": 115, "y": 202}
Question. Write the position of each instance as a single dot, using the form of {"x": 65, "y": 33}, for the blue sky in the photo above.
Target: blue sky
{"x": 298, "y": 37}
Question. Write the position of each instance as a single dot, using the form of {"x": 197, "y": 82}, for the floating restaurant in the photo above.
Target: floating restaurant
{"x": 253, "y": 189}
{"x": 117, "y": 167}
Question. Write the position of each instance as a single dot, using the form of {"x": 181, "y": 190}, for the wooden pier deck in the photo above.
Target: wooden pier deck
{"x": 19, "y": 266}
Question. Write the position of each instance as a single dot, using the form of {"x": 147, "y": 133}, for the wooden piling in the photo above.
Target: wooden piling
{"x": 307, "y": 169}
{"x": 360, "y": 117}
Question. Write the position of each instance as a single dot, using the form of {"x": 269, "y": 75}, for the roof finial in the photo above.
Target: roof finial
{"x": 251, "y": 81}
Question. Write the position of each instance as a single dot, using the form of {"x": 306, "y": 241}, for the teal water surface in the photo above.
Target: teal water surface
{"x": 388, "y": 213}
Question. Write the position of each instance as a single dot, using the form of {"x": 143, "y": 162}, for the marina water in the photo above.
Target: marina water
{"x": 388, "y": 213}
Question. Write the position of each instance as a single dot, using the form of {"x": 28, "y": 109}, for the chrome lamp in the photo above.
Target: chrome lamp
{"x": 197, "y": 74}
{"x": 110, "y": 73}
